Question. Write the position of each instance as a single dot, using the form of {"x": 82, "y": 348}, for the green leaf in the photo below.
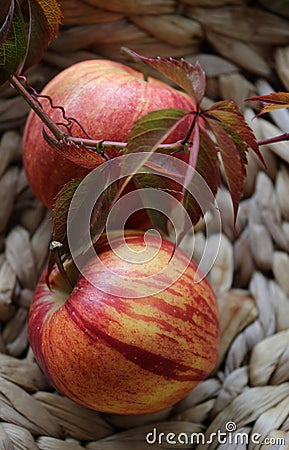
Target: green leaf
{"x": 38, "y": 35}
{"x": 44, "y": 21}
{"x": 153, "y": 129}
{"x": 191, "y": 79}
{"x": 101, "y": 211}
{"x": 155, "y": 181}
{"x": 97, "y": 220}
{"x": 275, "y": 100}
{"x": 79, "y": 154}
{"x": 6, "y": 17}
{"x": 60, "y": 210}
{"x": 12, "y": 49}
{"x": 59, "y": 248}
{"x": 148, "y": 133}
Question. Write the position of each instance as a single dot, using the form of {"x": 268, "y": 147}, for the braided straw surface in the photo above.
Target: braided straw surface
{"x": 244, "y": 49}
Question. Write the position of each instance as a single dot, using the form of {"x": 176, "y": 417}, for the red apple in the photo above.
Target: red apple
{"x": 126, "y": 353}
{"x": 106, "y": 98}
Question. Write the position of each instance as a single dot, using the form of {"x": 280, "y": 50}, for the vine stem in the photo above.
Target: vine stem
{"x": 60, "y": 135}
{"x": 101, "y": 145}
{"x": 51, "y": 125}
{"x": 273, "y": 140}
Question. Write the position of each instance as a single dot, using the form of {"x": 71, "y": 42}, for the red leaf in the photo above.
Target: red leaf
{"x": 275, "y": 100}
{"x": 148, "y": 133}
{"x": 228, "y": 113}
{"x": 44, "y": 20}
{"x": 60, "y": 210}
{"x": 53, "y": 15}
{"x": 234, "y": 160}
{"x": 6, "y": 17}
{"x": 190, "y": 78}
{"x": 208, "y": 167}
{"x": 12, "y": 44}
{"x": 98, "y": 216}
{"x": 194, "y": 152}
{"x": 234, "y": 138}
{"x": 79, "y": 154}
{"x": 38, "y": 35}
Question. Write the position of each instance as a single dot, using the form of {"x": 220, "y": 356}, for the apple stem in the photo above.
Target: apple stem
{"x": 36, "y": 106}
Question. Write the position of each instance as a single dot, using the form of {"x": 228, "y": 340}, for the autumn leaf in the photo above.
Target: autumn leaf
{"x": 153, "y": 129}
{"x": 43, "y": 24}
{"x": 204, "y": 184}
{"x": 60, "y": 210}
{"x": 26, "y": 29}
{"x": 6, "y": 17}
{"x": 275, "y": 100}
{"x": 234, "y": 137}
{"x": 60, "y": 249}
{"x": 53, "y": 16}
{"x": 191, "y": 78}
{"x": 12, "y": 43}
{"x": 147, "y": 180}
{"x": 77, "y": 210}
{"x": 79, "y": 154}
{"x": 149, "y": 132}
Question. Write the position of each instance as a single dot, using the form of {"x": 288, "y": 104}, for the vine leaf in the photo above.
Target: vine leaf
{"x": 234, "y": 137}
{"x": 12, "y": 43}
{"x": 79, "y": 154}
{"x": 197, "y": 200}
{"x": 153, "y": 129}
{"x": 60, "y": 211}
{"x": 191, "y": 78}
{"x": 149, "y": 132}
{"x": 53, "y": 16}
{"x": 26, "y": 29}
{"x": 155, "y": 181}
{"x": 275, "y": 100}
{"x": 59, "y": 246}
{"x": 39, "y": 25}
{"x": 6, "y": 17}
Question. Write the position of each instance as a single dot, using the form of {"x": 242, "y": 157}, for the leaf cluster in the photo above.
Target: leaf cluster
{"x": 218, "y": 134}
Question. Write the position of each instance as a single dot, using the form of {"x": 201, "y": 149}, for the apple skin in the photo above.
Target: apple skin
{"x": 106, "y": 98}
{"x": 125, "y": 355}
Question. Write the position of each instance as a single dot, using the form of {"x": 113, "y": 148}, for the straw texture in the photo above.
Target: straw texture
{"x": 244, "y": 49}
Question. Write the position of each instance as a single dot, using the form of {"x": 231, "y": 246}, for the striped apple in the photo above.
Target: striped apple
{"x": 125, "y": 354}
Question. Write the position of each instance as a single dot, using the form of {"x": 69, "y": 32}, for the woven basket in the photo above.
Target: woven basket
{"x": 244, "y": 49}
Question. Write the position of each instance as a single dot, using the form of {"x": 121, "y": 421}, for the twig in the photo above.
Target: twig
{"x": 34, "y": 104}
{"x": 273, "y": 140}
